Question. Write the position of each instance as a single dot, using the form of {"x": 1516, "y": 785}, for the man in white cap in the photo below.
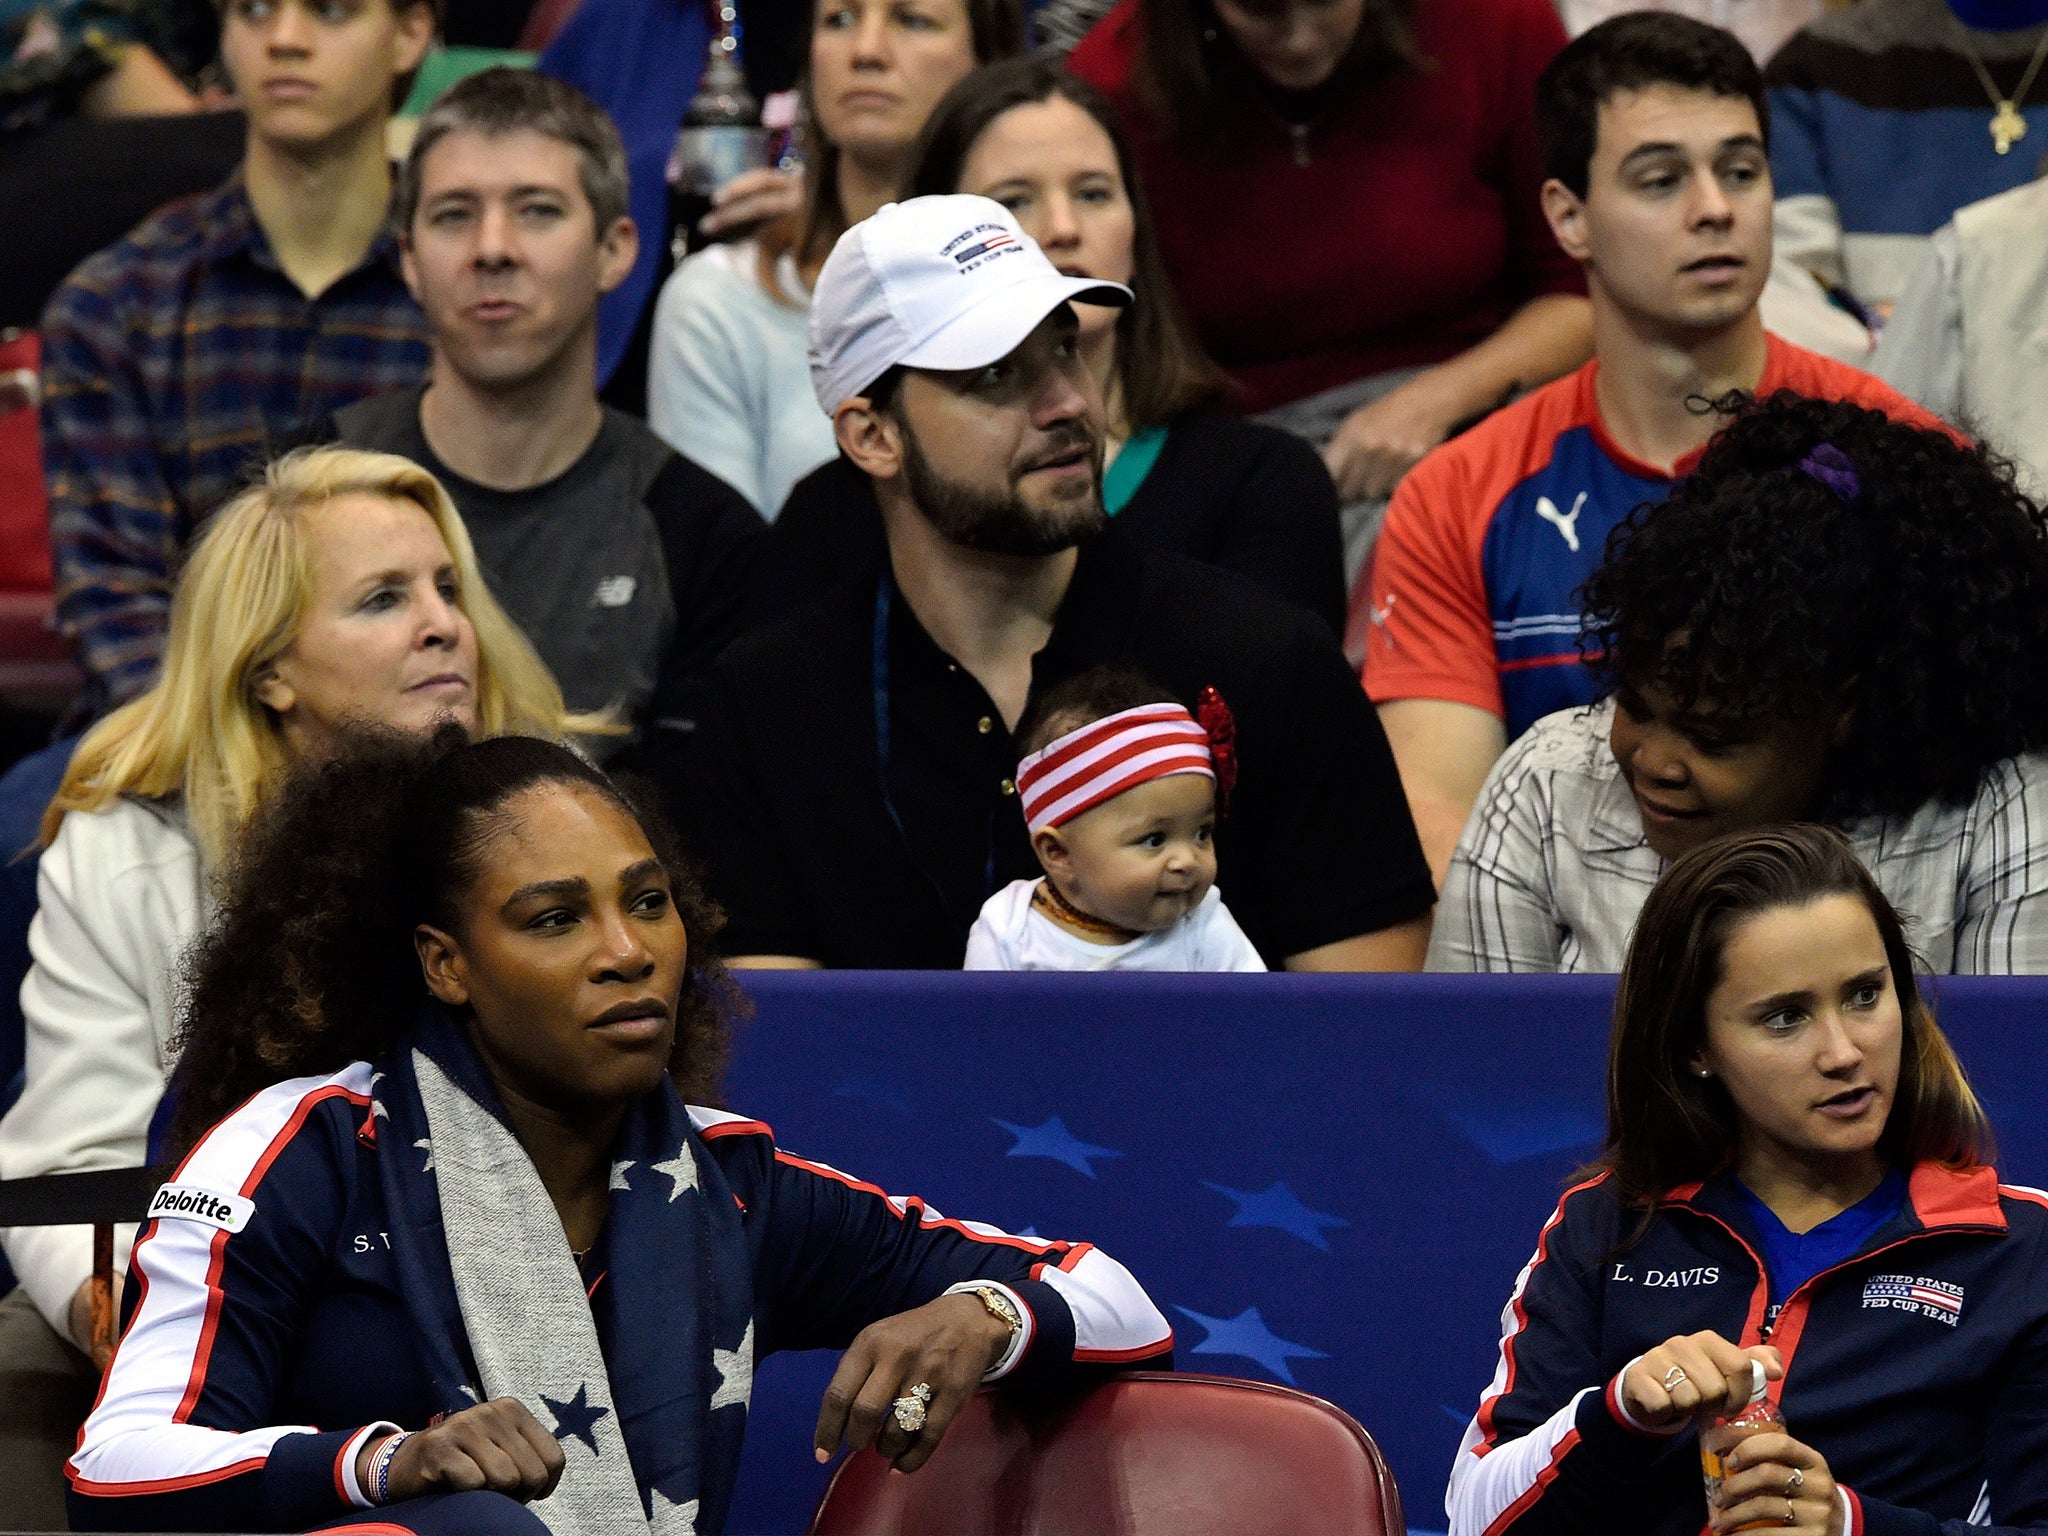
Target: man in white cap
{"x": 851, "y": 787}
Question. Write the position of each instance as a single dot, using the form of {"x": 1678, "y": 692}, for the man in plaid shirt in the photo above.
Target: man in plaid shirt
{"x": 173, "y": 359}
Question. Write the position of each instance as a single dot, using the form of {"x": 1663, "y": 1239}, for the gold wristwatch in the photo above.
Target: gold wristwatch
{"x": 1002, "y": 1307}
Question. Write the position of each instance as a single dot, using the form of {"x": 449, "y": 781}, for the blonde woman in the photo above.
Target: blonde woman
{"x": 341, "y": 589}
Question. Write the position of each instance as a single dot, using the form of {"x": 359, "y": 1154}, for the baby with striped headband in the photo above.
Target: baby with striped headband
{"x": 1119, "y": 788}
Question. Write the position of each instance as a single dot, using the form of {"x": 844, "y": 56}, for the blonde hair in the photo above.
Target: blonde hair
{"x": 201, "y": 732}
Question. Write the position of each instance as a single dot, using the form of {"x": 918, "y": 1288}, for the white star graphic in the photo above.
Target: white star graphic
{"x": 684, "y": 1521}
{"x": 427, "y": 1147}
{"x": 619, "y": 1175}
{"x": 735, "y": 1369}
{"x": 683, "y": 1169}
{"x": 377, "y": 1104}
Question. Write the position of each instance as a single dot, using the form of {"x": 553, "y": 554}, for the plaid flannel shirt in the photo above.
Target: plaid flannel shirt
{"x": 172, "y": 360}
{"x": 1553, "y": 867}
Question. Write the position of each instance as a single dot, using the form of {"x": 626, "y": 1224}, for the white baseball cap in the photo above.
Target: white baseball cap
{"x": 934, "y": 282}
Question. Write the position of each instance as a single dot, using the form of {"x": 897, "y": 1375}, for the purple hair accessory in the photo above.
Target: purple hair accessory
{"x": 1833, "y": 469}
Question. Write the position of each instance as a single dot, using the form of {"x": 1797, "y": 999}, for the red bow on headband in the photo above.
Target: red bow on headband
{"x": 1214, "y": 717}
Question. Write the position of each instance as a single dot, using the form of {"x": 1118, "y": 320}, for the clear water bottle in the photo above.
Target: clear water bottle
{"x": 1736, "y": 1422}
{"x": 720, "y": 136}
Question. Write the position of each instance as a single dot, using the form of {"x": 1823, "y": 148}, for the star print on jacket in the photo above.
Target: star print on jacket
{"x": 577, "y": 1418}
{"x": 660, "y": 1506}
{"x": 735, "y": 1369}
{"x": 682, "y": 1168}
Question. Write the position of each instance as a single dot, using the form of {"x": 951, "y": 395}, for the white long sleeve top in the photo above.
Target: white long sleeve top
{"x": 120, "y": 895}
{"x": 729, "y": 374}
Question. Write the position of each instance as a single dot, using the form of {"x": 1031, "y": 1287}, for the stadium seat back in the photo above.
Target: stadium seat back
{"x": 24, "y": 506}
{"x": 1147, "y": 1455}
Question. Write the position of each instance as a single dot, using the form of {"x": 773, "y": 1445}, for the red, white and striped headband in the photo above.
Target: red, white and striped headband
{"x": 1101, "y": 760}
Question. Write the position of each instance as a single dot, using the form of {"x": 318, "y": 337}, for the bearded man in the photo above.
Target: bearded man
{"x": 851, "y": 788}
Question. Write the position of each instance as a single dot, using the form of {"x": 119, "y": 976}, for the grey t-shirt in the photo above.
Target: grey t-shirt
{"x": 589, "y": 564}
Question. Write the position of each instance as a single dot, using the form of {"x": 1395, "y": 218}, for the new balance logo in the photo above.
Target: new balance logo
{"x": 614, "y": 592}
{"x": 184, "y": 1202}
{"x": 1566, "y": 523}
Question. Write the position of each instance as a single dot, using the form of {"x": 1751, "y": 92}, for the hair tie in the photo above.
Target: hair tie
{"x": 1833, "y": 469}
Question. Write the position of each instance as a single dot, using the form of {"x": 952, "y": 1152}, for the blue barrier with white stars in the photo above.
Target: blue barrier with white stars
{"x": 1329, "y": 1182}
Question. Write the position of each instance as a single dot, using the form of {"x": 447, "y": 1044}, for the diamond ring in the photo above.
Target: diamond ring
{"x": 908, "y": 1410}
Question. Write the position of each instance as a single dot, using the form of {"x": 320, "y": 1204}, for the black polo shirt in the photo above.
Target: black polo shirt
{"x": 850, "y": 790}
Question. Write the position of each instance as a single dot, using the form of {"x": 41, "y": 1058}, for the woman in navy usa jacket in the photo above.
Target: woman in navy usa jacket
{"x": 1796, "y": 1172}
{"x": 464, "y": 1247}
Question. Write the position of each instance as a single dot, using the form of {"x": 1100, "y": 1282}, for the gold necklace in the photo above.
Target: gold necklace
{"x": 2008, "y": 127}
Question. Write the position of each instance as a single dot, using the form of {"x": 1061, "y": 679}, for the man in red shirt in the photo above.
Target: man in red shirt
{"x": 1655, "y": 136}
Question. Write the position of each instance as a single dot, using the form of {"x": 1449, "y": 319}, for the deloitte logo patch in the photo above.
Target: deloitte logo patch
{"x": 183, "y": 1202}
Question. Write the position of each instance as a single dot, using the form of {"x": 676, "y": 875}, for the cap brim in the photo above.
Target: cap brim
{"x": 996, "y": 326}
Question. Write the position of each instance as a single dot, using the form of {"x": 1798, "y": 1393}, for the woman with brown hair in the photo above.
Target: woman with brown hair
{"x": 1180, "y": 474}
{"x": 1796, "y": 1177}
{"x": 728, "y": 381}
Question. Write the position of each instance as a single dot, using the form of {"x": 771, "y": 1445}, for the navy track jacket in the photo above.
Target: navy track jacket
{"x": 1917, "y": 1368}
{"x": 268, "y": 1334}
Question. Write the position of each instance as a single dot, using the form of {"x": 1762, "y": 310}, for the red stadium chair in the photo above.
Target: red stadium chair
{"x": 35, "y": 662}
{"x": 1146, "y": 1455}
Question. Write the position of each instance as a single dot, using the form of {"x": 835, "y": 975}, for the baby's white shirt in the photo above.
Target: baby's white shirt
{"x": 1013, "y": 935}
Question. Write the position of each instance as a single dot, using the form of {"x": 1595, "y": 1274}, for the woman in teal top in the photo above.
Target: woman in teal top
{"x": 1181, "y": 474}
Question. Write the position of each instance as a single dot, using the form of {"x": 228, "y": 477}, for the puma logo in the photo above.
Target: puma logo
{"x": 1566, "y": 523}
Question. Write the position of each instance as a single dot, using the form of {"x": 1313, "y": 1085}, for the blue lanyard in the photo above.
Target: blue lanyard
{"x": 884, "y": 604}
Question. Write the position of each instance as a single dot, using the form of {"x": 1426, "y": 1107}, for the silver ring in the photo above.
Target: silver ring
{"x": 1794, "y": 1483}
{"x": 1674, "y": 1376}
{"x": 1791, "y": 1514}
{"x": 908, "y": 1410}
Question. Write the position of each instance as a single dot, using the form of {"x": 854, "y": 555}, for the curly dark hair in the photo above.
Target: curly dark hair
{"x": 1905, "y": 578}
{"x": 309, "y": 963}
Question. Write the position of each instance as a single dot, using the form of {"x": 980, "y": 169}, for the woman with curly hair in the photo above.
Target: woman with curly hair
{"x": 1835, "y": 618}
{"x": 464, "y": 1220}
{"x": 340, "y": 588}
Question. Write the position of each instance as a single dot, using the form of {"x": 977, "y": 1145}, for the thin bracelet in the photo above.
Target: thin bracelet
{"x": 380, "y": 1468}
